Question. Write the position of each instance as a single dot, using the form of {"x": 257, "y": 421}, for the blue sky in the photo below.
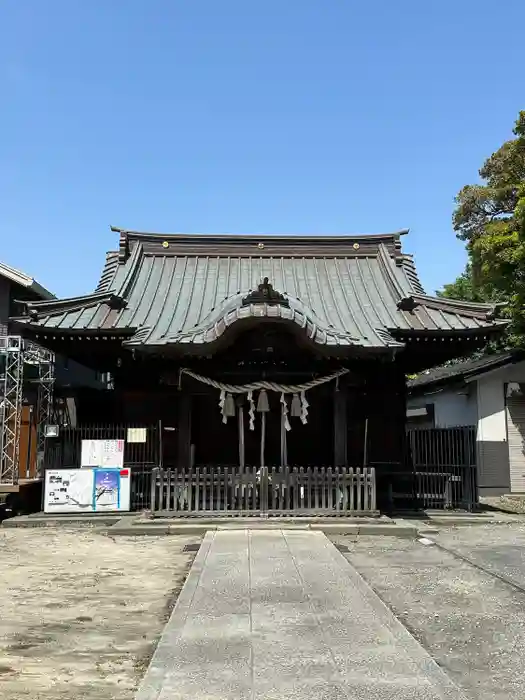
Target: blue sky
{"x": 246, "y": 116}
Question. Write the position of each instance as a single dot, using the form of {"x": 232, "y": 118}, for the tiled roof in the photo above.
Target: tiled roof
{"x": 23, "y": 280}
{"x": 188, "y": 289}
{"x": 109, "y": 272}
{"x": 460, "y": 371}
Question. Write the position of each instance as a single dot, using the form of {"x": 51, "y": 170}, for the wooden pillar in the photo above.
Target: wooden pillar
{"x": 240, "y": 419}
{"x": 184, "y": 431}
{"x": 284, "y": 448}
{"x": 340, "y": 428}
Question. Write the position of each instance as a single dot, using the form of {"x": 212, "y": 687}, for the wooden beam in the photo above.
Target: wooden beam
{"x": 340, "y": 428}
{"x": 184, "y": 428}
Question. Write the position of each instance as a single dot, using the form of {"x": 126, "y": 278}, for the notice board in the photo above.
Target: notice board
{"x": 88, "y": 490}
{"x": 102, "y": 453}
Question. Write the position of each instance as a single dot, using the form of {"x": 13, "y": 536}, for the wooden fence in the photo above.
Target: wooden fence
{"x": 262, "y": 491}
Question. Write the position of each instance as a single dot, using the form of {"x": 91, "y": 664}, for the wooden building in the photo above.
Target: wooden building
{"x": 321, "y": 330}
{"x": 26, "y": 379}
{"x": 32, "y": 381}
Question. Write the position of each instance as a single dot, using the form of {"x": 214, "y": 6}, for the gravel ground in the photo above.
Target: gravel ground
{"x": 500, "y": 549}
{"x": 81, "y": 612}
{"x": 509, "y": 504}
{"x": 471, "y": 622}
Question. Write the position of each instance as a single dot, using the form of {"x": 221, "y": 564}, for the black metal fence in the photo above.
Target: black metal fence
{"x": 64, "y": 451}
{"x": 440, "y": 472}
{"x": 444, "y": 467}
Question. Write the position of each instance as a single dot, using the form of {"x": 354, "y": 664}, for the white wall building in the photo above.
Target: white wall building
{"x": 488, "y": 394}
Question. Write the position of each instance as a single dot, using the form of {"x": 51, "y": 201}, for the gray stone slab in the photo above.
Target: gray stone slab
{"x": 166, "y": 652}
{"x": 335, "y": 689}
{"x": 282, "y": 614}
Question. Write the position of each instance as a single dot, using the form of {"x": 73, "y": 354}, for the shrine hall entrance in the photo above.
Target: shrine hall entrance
{"x": 234, "y": 443}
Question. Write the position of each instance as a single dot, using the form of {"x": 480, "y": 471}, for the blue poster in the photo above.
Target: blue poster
{"x": 106, "y": 489}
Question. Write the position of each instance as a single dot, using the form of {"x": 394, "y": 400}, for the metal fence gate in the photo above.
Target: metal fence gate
{"x": 141, "y": 458}
{"x": 264, "y": 491}
{"x": 444, "y": 467}
{"x": 442, "y": 463}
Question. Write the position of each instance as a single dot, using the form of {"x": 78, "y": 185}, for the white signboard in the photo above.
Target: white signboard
{"x": 87, "y": 490}
{"x": 68, "y": 491}
{"x": 102, "y": 453}
{"x": 137, "y": 435}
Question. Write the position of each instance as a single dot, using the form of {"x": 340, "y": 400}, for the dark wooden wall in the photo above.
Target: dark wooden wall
{"x": 356, "y": 421}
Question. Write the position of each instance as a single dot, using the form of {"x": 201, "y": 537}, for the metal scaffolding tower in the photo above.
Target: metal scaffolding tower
{"x": 45, "y": 361}
{"x": 11, "y": 376}
{"x": 14, "y": 354}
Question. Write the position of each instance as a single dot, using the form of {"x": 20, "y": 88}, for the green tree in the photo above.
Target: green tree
{"x": 463, "y": 288}
{"x": 490, "y": 218}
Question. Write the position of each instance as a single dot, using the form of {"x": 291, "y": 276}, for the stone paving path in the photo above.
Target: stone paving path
{"x": 281, "y": 615}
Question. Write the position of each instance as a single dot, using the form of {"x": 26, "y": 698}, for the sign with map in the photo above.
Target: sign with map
{"x": 87, "y": 490}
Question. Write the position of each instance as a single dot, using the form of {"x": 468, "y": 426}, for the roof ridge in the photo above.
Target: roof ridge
{"x": 238, "y": 237}
{"x": 385, "y": 260}
{"x": 132, "y": 261}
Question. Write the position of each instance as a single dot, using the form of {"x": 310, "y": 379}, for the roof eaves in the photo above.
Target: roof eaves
{"x": 215, "y": 325}
{"x": 23, "y": 280}
{"x": 50, "y": 304}
{"x": 482, "y": 330}
{"x": 482, "y": 312}
{"x": 40, "y": 309}
{"x": 463, "y": 372}
{"x": 510, "y": 359}
{"x": 435, "y": 385}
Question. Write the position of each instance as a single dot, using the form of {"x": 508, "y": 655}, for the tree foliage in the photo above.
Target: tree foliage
{"x": 463, "y": 288}
{"x": 490, "y": 218}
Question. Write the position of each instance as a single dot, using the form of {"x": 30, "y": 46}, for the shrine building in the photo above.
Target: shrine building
{"x": 266, "y": 351}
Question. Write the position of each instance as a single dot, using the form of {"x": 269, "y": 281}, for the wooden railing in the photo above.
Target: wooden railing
{"x": 256, "y": 491}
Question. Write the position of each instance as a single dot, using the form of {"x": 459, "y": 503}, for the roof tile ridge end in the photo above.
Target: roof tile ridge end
{"x": 409, "y": 264}
{"x": 387, "y": 263}
{"x": 109, "y": 271}
{"x": 134, "y": 265}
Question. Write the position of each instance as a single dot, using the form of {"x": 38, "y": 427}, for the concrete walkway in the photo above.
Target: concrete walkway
{"x": 276, "y": 615}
